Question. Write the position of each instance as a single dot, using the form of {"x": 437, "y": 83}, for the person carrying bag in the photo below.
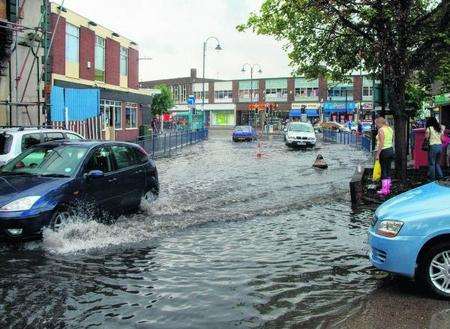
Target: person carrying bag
{"x": 385, "y": 154}
{"x": 433, "y": 137}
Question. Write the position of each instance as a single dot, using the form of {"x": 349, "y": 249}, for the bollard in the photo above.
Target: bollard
{"x": 153, "y": 145}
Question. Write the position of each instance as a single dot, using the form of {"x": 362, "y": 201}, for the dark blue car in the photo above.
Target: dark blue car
{"x": 43, "y": 185}
{"x": 244, "y": 133}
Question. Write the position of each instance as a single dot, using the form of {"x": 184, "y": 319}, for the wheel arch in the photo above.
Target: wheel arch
{"x": 444, "y": 237}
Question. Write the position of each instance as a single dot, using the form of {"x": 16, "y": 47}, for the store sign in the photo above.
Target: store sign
{"x": 442, "y": 99}
{"x": 309, "y": 106}
{"x": 367, "y": 106}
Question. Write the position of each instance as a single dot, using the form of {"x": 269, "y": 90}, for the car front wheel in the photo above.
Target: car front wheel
{"x": 434, "y": 270}
{"x": 59, "y": 218}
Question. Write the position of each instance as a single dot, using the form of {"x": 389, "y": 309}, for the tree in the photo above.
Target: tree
{"x": 163, "y": 101}
{"x": 388, "y": 38}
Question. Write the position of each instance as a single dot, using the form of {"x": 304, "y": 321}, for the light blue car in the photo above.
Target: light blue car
{"x": 410, "y": 235}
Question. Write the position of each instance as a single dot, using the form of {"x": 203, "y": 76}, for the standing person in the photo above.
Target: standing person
{"x": 385, "y": 154}
{"x": 433, "y": 133}
{"x": 360, "y": 128}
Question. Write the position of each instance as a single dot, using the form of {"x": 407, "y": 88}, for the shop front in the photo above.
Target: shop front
{"x": 221, "y": 115}
{"x": 443, "y": 103}
{"x": 307, "y": 111}
{"x": 339, "y": 111}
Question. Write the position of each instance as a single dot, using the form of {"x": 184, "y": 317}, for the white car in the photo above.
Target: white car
{"x": 14, "y": 141}
{"x": 300, "y": 134}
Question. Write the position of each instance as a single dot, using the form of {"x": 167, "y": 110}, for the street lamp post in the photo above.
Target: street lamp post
{"x": 218, "y": 47}
{"x": 252, "y": 68}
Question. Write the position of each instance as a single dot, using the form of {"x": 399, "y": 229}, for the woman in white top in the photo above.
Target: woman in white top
{"x": 433, "y": 133}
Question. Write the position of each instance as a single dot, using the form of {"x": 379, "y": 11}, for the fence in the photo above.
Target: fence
{"x": 362, "y": 142}
{"x": 166, "y": 144}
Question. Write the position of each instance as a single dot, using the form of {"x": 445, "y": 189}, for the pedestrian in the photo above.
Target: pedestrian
{"x": 360, "y": 128}
{"x": 385, "y": 154}
{"x": 433, "y": 136}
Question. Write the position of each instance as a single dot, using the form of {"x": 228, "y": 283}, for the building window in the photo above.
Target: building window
{"x": 72, "y": 43}
{"x": 99, "y": 59}
{"x": 276, "y": 94}
{"x": 244, "y": 95}
{"x": 367, "y": 91}
{"x": 179, "y": 93}
{"x": 111, "y": 113}
{"x": 131, "y": 115}
{"x": 123, "y": 61}
{"x": 225, "y": 96}
{"x": 198, "y": 96}
{"x": 306, "y": 92}
{"x": 345, "y": 92}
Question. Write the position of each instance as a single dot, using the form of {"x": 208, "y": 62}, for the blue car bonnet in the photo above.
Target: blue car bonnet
{"x": 430, "y": 198}
{"x": 13, "y": 187}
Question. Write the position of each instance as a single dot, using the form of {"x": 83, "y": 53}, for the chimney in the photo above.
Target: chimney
{"x": 193, "y": 73}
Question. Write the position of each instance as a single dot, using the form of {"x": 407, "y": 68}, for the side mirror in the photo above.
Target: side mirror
{"x": 94, "y": 174}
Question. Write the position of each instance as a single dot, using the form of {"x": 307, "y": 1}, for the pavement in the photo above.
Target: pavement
{"x": 398, "y": 303}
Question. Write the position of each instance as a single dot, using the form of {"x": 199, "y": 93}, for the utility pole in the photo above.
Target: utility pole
{"x": 218, "y": 47}
{"x": 252, "y": 67}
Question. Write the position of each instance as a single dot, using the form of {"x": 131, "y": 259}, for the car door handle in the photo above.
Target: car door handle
{"x": 112, "y": 180}
{"x": 138, "y": 171}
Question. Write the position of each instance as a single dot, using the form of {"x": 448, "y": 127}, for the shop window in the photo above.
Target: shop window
{"x": 131, "y": 116}
{"x": 72, "y": 43}
{"x": 99, "y": 59}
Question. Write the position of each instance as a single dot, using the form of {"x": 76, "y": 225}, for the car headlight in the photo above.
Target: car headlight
{"x": 21, "y": 204}
{"x": 389, "y": 228}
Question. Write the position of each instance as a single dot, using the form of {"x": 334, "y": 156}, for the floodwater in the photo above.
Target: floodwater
{"x": 233, "y": 242}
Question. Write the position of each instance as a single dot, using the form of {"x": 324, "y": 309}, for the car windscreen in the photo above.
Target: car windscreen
{"x": 58, "y": 161}
{"x": 5, "y": 143}
{"x": 301, "y": 128}
{"x": 242, "y": 128}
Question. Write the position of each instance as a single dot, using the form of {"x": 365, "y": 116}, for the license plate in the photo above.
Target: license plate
{"x": 301, "y": 143}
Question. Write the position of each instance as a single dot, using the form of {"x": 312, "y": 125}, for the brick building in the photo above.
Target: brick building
{"x": 228, "y": 103}
{"x": 85, "y": 55}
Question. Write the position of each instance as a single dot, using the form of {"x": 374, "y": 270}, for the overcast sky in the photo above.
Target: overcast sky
{"x": 172, "y": 33}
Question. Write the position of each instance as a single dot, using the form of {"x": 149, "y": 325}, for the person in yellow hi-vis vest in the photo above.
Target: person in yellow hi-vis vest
{"x": 385, "y": 154}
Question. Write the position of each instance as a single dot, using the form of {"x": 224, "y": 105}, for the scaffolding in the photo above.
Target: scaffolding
{"x": 25, "y": 69}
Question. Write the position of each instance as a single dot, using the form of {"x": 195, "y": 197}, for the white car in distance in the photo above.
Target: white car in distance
{"x": 300, "y": 134}
{"x": 14, "y": 141}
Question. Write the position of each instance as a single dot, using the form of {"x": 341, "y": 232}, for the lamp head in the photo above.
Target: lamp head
{"x": 260, "y": 71}
{"x": 218, "y": 47}
{"x": 243, "y": 69}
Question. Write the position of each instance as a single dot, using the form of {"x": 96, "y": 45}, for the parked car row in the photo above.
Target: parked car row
{"x": 56, "y": 170}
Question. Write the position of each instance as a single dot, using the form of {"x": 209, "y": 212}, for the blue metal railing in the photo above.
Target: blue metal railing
{"x": 361, "y": 142}
{"x": 169, "y": 143}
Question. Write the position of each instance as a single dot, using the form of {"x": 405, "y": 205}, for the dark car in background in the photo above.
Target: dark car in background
{"x": 244, "y": 133}
{"x": 43, "y": 185}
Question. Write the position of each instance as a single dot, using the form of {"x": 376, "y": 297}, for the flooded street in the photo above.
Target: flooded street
{"x": 232, "y": 242}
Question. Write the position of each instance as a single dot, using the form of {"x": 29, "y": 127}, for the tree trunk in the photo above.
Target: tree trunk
{"x": 401, "y": 145}
{"x": 397, "y": 106}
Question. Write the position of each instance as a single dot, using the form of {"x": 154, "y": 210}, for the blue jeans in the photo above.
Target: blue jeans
{"x": 434, "y": 157}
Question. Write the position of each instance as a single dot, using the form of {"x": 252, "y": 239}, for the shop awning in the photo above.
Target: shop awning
{"x": 312, "y": 113}
{"x": 295, "y": 113}
{"x": 333, "y": 107}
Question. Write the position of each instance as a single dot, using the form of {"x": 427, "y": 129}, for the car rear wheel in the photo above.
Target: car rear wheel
{"x": 434, "y": 270}
{"x": 59, "y": 218}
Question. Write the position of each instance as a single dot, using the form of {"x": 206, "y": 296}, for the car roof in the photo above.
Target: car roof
{"x": 81, "y": 142}
{"x": 19, "y": 132}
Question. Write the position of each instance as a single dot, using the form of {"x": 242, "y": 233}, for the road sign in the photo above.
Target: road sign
{"x": 191, "y": 100}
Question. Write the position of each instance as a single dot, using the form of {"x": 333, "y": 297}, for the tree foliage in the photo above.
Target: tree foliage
{"x": 393, "y": 39}
{"x": 162, "y": 102}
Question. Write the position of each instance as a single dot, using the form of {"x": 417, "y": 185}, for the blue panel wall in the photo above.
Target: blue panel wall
{"x": 82, "y": 103}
